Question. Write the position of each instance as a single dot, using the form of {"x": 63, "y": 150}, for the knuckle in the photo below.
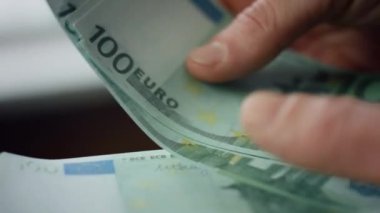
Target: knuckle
{"x": 322, "y": 119}
{"x": 290, "y": 110}
{"x": 310, "y": 123}
{"x": 261, "y": 15}
{"x": 317, "y": 128}
{"x": 352, "y": 12}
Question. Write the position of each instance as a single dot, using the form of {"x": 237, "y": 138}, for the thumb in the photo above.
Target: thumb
{"x": 256, "y": 36}
{"x": 336, "y": 135}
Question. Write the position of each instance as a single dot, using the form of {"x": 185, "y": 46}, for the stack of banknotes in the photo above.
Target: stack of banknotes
{"x": 144, "y": 182}
{"x": 138, "y": 47}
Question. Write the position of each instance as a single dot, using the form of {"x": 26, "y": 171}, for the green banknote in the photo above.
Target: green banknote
{"x": 139, "y": 48}
{"x": 295, "y": 189}
{"x": 45, "y": 186}
{"x": 153, "y": 181}
{"x": 135, "y": 182}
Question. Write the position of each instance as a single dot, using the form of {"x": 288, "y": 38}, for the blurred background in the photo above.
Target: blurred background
{"x": 52, "y": 105}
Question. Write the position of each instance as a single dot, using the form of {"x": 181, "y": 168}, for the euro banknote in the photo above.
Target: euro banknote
{"x": 139, "y": 47}
{"x": 153, "y": 181}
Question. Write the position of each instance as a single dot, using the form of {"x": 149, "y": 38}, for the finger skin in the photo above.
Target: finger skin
{"x": 263, "y": 28}
{"x": 236, "y": 6}
{"x": 256, "y": 36}
{"x": 344, "y": 48}
{"x": 337, "y": 135}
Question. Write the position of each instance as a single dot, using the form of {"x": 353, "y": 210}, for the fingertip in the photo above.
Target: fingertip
{"x": 335, "y": 135}
{"x": 207, "y": 63}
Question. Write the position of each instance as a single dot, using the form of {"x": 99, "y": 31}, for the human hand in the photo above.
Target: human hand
{"x": 336, "y": 135}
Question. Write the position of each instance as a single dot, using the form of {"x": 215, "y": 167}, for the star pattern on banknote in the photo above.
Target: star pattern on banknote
{"x": 188, "y": 142}
{"x": 147, "y": 185}
{"x": 208, "y": 117}
{"x": 139, "y": 204}
{"x": 235, "y": 159}
{"x": 240, "y": 134}
{"x": 194, "y": 87}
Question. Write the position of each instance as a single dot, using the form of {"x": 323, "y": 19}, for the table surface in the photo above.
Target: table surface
{"x": 99, "y": 130}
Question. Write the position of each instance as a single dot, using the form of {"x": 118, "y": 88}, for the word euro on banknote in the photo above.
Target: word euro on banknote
{"x": 142, "y": 182}
{"x": 259, "y": 169}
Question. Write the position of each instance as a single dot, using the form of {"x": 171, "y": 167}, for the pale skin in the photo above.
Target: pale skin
{"x": 335, "y": 135}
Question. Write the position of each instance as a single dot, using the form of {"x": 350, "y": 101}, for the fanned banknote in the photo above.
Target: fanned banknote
{"x": 138, "y": 47}
{"x": 143, "y": 182}
{"x": 141, "y": 46}
{"x": 152, "y": 181}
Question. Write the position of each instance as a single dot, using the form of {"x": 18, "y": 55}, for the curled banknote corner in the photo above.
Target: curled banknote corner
{"x": 138, "y": 47}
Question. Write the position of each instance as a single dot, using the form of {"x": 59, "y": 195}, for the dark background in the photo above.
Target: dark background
{"x": 77, "y": 132}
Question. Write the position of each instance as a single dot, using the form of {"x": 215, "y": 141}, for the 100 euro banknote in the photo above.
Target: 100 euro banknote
{"x": 142, "y": 182}
{"x": 139, "y": 47}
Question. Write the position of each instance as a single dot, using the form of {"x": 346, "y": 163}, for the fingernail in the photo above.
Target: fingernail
{"x": 258, "y": 112}
{"x": 210, "y": 54}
